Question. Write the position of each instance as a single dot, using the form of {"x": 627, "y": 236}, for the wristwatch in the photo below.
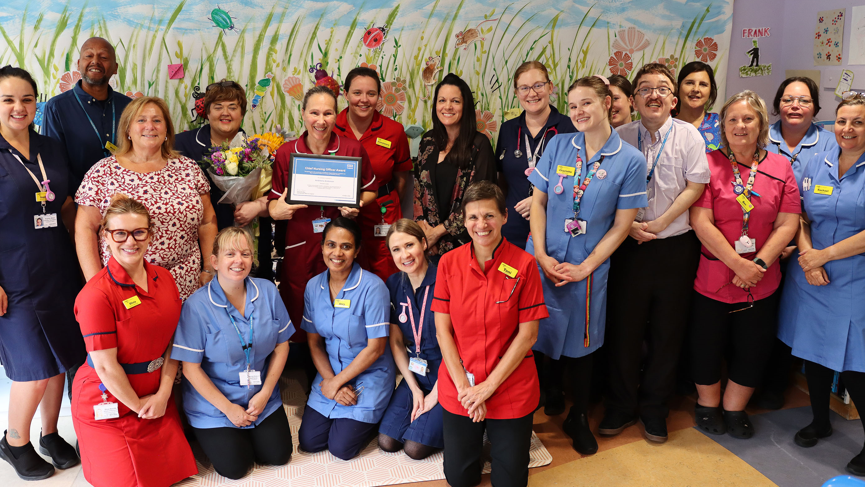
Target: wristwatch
{"x": 760, "y": 263}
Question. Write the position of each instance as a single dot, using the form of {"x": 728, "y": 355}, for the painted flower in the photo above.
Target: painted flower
{"x": 370, "y": 66}
{"x": 620, "y": 63}
{"x": 820, "y": 20}
{"x": 486, "y": 124}
{"x": 818, "y": 35}
{"x": 630, "y": 40}
{"x": 838, "y": 57}
{"x": 670, "y": 62}
{"x": 836, "y": 44}
{"x": 400, "y": 85}
{"x": 391, "y": 100}
{"x": 135, "y": 95}
{"x": 68, "y": 80}
{"x": 293, "y": 87}
{"x": 819, "y": 55}
{"x": 706, "y": 49}
{"x": 828, "y": 55}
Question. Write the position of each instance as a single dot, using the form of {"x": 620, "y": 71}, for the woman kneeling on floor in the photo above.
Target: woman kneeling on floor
{"x": 233, "y": 341}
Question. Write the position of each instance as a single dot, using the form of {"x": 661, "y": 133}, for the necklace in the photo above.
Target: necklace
{"x": 336, "y": 291}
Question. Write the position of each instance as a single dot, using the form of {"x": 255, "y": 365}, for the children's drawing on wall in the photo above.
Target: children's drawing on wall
{"x": 857, "y": 36}
{"x": 754, "y": 68}
{"x": 829, "y": 37}
{"x": 277, "y": 50}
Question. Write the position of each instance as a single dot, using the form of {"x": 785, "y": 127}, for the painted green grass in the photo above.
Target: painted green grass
{"x": 287, "y": 42}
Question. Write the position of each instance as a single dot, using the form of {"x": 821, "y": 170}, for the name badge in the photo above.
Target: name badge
{"x": 383, "y": 142}
{"x": 341, "y": 303}
{"x": 507, "y": 270}
{"x": 820, "y": 189}
{"x": 417, "y": 365}
{"x": 250, "y": 378}
{"x": 741, "y": 248}
{"x": 105, "y": 410}
{"x": 131, "y": 302}
{"x": 743, "y": 200}
{"x": 318, "y": 225}
{"x": 41, "y": 196}
{"x": 45, "y": 220}
{"x": 110, "y": 146}
{"x": 381, "y": 230}
{"x": 576, "y": 227}
{"x": 566, "y": 170}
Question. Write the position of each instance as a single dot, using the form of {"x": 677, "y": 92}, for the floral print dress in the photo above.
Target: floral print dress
{"x": 481, "y": 167}
{"x": 172, "y": 195}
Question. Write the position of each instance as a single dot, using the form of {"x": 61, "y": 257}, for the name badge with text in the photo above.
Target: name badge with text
{"x": 507, "y": 270}
{"x": 131, "y": 302}
{"x": 341, "y": 303}
{"x": 383, "y": 142}
{"x": 820, "y": 189}
{"x": 566, "y": 170}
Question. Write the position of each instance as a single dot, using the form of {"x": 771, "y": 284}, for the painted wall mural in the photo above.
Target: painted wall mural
{"x": 279, "y": 49}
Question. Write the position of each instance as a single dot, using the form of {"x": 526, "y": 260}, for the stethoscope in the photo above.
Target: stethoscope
{"x": 532, "y": 159}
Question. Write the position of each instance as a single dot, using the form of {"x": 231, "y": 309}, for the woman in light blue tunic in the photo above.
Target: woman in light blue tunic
{"x": 822, "y": 315}
{"x": 347, "y": 315}
{"x": 588, "y": 188}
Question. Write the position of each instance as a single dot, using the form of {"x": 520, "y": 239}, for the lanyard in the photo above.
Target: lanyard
{"x": 417, "y": 331}
{"x": 658, "y": 155}
{"x": 795, "y": 156}
{"x": 581, "y": 190}
{"x": 248, "y": 346}
{"x": 43, "y": 186}
{"x": 744, "y": 190}
{"x": 532, "y": 156}
{"x": 98, "y": 134}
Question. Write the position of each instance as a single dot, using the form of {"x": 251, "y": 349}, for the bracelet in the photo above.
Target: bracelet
{"x": 760, "y": 263}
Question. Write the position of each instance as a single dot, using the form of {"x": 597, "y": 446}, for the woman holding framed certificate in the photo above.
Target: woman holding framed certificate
{"x": 306, "y": 222}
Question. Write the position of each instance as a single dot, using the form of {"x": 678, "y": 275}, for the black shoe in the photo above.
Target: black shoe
{"x": 738, "y": 424}
{"x": 768, "y": 400}
{"x": 577, "y": 427}
{"x": 710, "y": 420}
{"x": 62, "y": 454}
{"x": 655, "y": 429}
{"x": 808, "y": 436}
{"x": 614, "y": 423}
{"x": 555, "y": 404}
{"x": 857, "y": 465}
{"x": 543, "y": 400}
{"x": 28, "y": 465}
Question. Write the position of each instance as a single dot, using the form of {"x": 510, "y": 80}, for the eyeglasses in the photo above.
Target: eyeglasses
{"x": 750, "y": 304}
{"x": 804, "y": 101}
{"x": 847, "y": 95}
{"x": 537, "y": 88}
{"x": 662, "y": 91}
{"x": 512, "y": 289}
{"x": 224, "y": 84}
{"x": 120, "y": 236}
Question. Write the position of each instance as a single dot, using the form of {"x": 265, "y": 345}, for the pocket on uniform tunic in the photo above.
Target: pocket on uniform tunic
{"x": 357, "y": 331}
{"x": 14, "y": 273}
{"x": 216, "y": 347}
{"x": 552, "y": 332}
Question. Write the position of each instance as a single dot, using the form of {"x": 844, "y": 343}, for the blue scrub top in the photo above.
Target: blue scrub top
{"x": 816, "y": 140}
{"x": 512, "y": 134}
{"x": 826, "y": 324}
{"x": 622, "y": 187}
{"x": 345, "y": 332}
{"x": 205, "y": 335}
{"x": 64, "y": 121}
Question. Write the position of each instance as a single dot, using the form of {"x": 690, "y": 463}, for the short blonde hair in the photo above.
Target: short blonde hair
{"x": 229, "y": 238}
{"x": 122, "y": 205}
{"x": 132, "y": 110}
{"x": 758, "y": 105}
{"x": 855, "y": 100}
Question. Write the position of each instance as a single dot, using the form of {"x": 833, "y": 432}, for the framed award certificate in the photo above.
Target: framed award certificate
{"x": 324, "y": 180}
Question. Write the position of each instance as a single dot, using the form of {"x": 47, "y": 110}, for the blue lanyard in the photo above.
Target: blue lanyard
{"x": 246, "y": 346}
{"x": 98, "y": 134}
{"x": 658, "y": 156}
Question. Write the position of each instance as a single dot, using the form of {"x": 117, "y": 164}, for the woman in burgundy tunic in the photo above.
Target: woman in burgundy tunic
{"x": 127, "y": 425}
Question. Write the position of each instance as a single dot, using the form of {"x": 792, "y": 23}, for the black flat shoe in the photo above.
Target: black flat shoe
{"x": 857, "y": 465}
{"x": 655, "y": 429}
{"x": 28, "y": 465}
{"x": 808, "y": 436}
{"x": 710, "y": 420}
{"x": 555, "y": 402}
{"x": 614, "y": 423}
{"x": 738, "y": 424}
{"x": 577, "y": 427}
{"x": 62, "y": 454}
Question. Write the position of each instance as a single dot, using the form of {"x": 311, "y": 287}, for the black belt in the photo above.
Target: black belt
{"x": 138, "y": 368}
{"x": 386, "y": 189}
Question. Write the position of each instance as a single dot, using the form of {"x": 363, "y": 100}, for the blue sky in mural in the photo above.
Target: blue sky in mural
{"x": 655, "y": 16}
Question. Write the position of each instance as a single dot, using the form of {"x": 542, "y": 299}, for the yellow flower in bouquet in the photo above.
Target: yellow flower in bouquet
{"x": 270, "y": 140}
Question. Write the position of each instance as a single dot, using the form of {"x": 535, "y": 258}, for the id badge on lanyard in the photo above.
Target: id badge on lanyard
{"x": 105, "y": 409}
{"x": 319, "y": 224}
{"x": 43, "y": 195}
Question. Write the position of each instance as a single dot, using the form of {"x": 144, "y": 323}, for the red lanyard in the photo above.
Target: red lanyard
{"x": 417, "y": 331}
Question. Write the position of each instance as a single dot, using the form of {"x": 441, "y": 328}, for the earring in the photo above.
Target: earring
{"x": 128, "y": 137}
{"x": 166, "y": 139}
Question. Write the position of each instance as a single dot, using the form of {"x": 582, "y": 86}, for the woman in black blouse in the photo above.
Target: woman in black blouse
{"x": 452, "y": 156}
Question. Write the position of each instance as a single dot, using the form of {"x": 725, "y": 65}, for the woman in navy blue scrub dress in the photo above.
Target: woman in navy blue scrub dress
{"x": 39, "y": 338}
{"x": 413, "y": 419}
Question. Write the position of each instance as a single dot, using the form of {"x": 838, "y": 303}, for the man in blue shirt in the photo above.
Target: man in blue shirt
{"x": 85, "y": 118}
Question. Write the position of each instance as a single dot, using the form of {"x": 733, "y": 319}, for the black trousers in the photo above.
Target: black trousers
{"x": 232, "y": 451}
{"x": 510, "y": 441}
{"x": 649, "y": 298}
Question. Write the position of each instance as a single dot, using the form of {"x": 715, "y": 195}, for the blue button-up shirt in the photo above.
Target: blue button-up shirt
{"x": 65, "y": 121}
{"x": 816, "y": 140}
{"x": 206, "y": 335}
{"x": 345, "y": 332}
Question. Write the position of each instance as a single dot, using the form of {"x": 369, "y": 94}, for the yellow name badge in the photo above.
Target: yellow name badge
{"x": 566, "y": 170}
{"x": 131, "y": 302}
{"x": 41, "y": 196}
{"x": 382, "y": 142}
{"x": 341, "y": 303}
{"x": 507, "y": 270}
{"x": 819, "y": 189}
{"x": 110, "y": 146}
{"x": 746, "y": 205}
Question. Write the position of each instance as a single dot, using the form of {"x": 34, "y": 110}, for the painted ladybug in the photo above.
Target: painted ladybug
{"x": 198, "y": 111}
{"x": 324, "y": 79}
{"x": 374, "y": 37}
